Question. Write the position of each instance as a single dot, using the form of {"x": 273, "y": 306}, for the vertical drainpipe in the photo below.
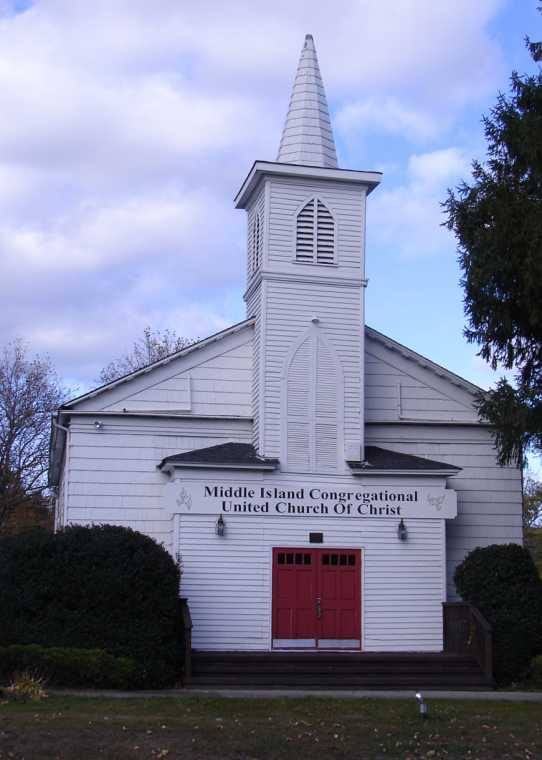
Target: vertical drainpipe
{"x": 364, "y": 283}
{"x": 65, "y": 482}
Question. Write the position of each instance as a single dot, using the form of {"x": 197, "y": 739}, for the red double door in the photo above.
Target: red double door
{"x": 317, "y": 598}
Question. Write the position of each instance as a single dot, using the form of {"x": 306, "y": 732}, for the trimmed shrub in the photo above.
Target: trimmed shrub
{"x": 502, "y": 581}
{"x": 62, "y": 666}
{"x": 103, "y": 587}
{"x": 535, "y": 673}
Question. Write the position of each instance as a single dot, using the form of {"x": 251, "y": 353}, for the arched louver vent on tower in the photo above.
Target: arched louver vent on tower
{"x": 325, "y": 235}
{"x": 304, "y": 243}
{"x": 256, "y": 243}
{"x": 315, "y": 234}
{"x": 313, "y": 407}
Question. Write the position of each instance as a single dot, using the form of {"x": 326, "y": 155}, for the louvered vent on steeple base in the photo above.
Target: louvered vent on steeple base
{"x": 315, "y": 234}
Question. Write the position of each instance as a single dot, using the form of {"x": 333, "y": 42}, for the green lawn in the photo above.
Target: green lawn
{"x": 282, "y": 728}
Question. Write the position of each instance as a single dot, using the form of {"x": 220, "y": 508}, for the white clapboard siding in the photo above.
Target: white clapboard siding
{"x": 289, "y": 309}
{"x": 257, "y": 363}
{"x": 397, "y": 388}
{"x": 488, "y": 496}
{"x": 257, "y": 209}
{"x": 215, "y": 380}
{"x": 293, "y": 293}
{"x": 255, "y": 233}
{"x": 345, "y": 202}
{"x": 112, "y": 476}
{"x": 230, "y": 594}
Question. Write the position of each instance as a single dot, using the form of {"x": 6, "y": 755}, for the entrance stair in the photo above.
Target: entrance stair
{"x": 336, "y": 670}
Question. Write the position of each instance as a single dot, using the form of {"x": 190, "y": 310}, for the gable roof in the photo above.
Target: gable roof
{"x": 423, "y": 361}
{"x": 160, "y": 363}
{"x": 370, "y": 332}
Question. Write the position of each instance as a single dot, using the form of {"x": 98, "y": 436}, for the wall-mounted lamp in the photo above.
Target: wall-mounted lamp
{"x": 220, "y": 526}
{"x": 421, "y": 704}
{"x": 402, "y": 532}
{"x": 98, "y": 425}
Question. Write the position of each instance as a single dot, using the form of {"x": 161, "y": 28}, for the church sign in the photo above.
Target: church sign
{"x": 212, "y": 497}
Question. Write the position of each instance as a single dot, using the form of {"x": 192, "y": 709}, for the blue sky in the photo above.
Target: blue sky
{"x": 132, "y": 124}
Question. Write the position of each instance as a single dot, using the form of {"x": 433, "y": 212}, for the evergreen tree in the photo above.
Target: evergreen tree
{"x": 497, "y": 220}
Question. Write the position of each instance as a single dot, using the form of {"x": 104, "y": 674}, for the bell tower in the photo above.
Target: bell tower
{"x": 305, "y": 288}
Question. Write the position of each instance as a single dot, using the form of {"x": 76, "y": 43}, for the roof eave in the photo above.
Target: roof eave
{"x": 411, "y": 473}
{"x": 178, "y": 354}
{"x": 423, "y": 361}
{"x": 170, "y": 467}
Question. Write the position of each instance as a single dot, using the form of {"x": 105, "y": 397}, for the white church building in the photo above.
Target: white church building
{"x": 318, "y": 481}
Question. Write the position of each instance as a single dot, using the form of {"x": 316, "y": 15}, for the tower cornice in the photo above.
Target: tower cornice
{"x": 261, "y": 169}
{"x": 316, "y": 278}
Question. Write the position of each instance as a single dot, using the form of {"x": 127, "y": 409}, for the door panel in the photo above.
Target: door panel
{"x": 340, "y": 585}
{"x": 317, "y": 598}
{"x": 294, "y": 590}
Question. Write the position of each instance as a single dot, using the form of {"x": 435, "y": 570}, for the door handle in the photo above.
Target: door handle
{"x": 318, "y": 607}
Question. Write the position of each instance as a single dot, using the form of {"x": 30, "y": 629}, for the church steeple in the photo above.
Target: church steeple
{"x": 307, "y": 138}
{"x": 305, "y": 290}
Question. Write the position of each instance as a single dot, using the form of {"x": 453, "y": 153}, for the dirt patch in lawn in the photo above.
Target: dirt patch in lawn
{"x": 240, "y": 729}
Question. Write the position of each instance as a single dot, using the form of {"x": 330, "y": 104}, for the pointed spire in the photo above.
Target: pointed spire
{"x": 307, "y": 137}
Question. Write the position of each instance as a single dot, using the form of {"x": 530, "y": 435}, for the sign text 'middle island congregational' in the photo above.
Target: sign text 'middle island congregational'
{"x": 280, "y": 501}
{"x": 194, "y": 496}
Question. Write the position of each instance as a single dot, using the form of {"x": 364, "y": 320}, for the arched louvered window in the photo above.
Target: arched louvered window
{"x": 256, "y": 242}
{"x": 313, "y": 408}
{"x": 315, "y": 234}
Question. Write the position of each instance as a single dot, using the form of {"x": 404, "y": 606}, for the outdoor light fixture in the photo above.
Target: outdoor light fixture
{"x": 402, "y": 532}
{"x": 98, "y": 425}
{"x": 422, "y": 705}
{"x": 220, "y": 526}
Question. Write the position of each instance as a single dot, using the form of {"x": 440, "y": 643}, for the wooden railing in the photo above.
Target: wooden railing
{"x": 186, "y": 621}
{"x": 466, "y": 631}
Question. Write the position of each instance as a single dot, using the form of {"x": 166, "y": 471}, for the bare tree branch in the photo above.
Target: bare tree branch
{"x": 30, "y": 391}
{"x": 151, "y": 347}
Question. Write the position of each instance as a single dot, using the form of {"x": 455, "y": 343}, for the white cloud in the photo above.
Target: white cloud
{"x": 127, "y": 127}
{"x": 438, "y": 167}
{"x": 87, "y": 342}
{"x": 100, "y": 237}
{"x": 407, "y": 219}
{"x": 386, "y": 115}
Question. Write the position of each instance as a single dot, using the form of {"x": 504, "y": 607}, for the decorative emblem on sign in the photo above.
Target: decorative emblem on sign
{"x": 184, "y": 498}
{"x": 436, "y": 501}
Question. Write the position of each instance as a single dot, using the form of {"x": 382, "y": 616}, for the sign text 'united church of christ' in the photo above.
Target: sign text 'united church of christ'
{"x": 200, "y": 497}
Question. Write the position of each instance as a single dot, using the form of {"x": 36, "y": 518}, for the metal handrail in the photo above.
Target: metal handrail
{"x": 186, "y": 619}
